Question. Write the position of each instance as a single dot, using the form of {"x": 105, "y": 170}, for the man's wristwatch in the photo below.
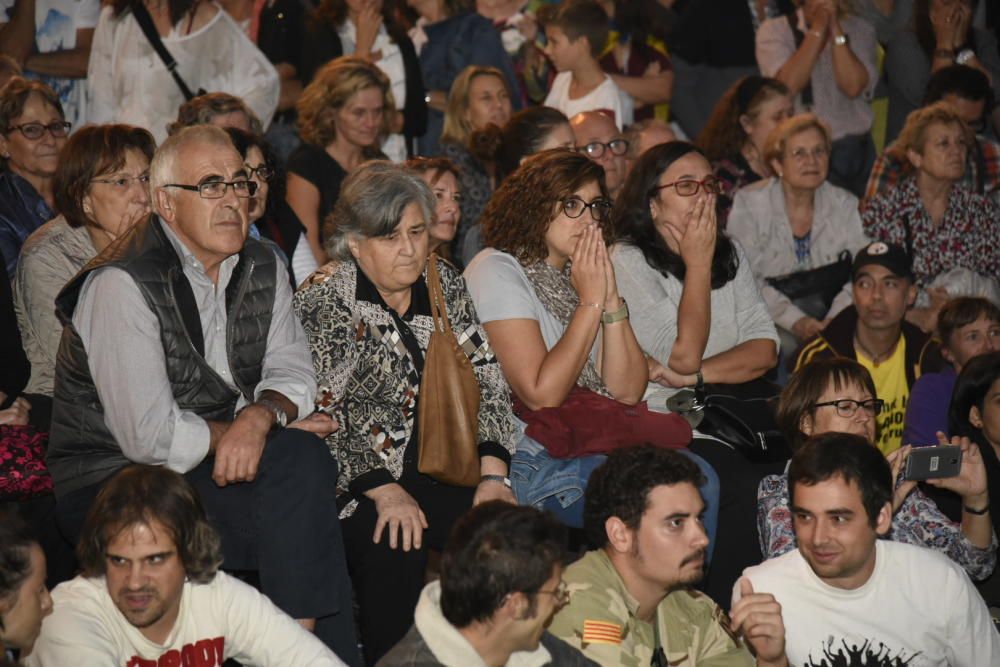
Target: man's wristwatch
{"x": 280, "y": 416}
{"x": 499, "y": 479}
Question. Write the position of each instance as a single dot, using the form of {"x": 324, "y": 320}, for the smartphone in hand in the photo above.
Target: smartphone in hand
{"x": 933, "y": 463}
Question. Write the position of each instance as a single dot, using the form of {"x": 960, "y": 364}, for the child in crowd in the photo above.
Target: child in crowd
{"x": 576, "y": 37}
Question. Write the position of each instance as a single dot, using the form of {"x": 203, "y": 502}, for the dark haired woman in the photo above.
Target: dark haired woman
{"x": 735, "y": 136}
{"x": 24, "y": 599}
{"x": 102, "y": 189}
{"x": 529, "y": 131}
{"x": 369, "y": 29}
{"x": 32, "y": 131}
{"x": 127, "y": 82}
{"x": 695, "y": 306}
{"x": 942, "y": 34}
{"x": 838, "y": 396}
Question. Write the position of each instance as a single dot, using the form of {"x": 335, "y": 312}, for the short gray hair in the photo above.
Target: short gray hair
{"x": 371, "y": 203}
{"x": 161, "y": 168}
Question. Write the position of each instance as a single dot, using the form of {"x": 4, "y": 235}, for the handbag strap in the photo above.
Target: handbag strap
{"x": 436, "y": 293}
{"x": 145, "y": 22}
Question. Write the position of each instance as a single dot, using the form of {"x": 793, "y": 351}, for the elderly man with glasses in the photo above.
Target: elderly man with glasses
{"x": 598, "y": 138}
{"x": 180, "y": 349}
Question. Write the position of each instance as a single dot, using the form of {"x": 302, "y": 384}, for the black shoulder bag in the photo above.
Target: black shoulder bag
{"x": 145, "y": 22}
{"x": 813, "y": 291}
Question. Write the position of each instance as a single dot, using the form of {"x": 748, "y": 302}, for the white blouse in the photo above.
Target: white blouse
{"x": 128, "y": 82}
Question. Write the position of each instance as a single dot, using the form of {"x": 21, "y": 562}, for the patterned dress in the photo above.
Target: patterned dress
{"x": 369, "y": 380}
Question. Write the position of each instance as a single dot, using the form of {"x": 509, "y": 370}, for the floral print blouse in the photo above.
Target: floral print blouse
{"x": 918, "y": 522}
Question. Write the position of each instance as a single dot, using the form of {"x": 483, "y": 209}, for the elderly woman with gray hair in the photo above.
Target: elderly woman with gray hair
{"x": 367, "y": 315}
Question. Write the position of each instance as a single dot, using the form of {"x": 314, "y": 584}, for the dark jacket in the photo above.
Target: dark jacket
{"x": 923, "y": 354}
{"x": 82, "y": 450}
{"x": 412, "y": 651}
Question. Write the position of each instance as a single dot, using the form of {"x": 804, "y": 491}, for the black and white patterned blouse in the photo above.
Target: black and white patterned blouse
{"x": 368, "y": 362}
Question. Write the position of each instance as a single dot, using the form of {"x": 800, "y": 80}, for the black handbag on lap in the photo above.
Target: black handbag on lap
{"x": 813, "y": 291}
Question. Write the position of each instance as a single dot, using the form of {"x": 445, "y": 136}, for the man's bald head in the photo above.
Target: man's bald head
{"x": 597, "y": 129}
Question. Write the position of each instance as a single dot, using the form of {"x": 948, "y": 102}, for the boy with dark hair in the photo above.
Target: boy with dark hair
{"x": 850, "y": 597}
{"x": 151, "y": 592}
{"x": 576, "y": 35}
{"x": 500, "y": 584}
{"x": 630, "y": 599}
{"x": 967, "y": 327}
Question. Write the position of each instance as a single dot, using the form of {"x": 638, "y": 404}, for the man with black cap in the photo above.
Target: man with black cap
{"x": 873, "y": 332}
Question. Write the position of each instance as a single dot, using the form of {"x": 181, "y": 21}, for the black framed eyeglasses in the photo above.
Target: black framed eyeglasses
{"x": 595, "y": 149}
{"x": 217, "y": 189}
{"x": 261, "y": 172}
{"x": 574, "y": 207}
{"x": 690, "y": 187}
{"x": 848, "y": 407}
{"x": 34, "y": 131}
{"x": 561, "y": 594}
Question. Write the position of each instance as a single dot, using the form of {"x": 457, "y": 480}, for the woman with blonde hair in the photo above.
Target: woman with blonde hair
{"x": 343, "y": 116}
{"x": 479, "y": 104}
{"x": 798, "y": 224}
{"x": 950, "y": 232}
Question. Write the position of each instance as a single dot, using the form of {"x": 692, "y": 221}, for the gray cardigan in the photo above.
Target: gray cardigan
{"x": 52, "y": 255}
{"x": 759, "y": 221}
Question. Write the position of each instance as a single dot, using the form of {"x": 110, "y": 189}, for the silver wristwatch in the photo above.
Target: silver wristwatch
{"x": 280, "y": 416}
{"x": 964, "y": 56}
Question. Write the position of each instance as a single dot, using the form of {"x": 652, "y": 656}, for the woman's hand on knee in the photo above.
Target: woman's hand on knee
{"x": 398, "y": 510}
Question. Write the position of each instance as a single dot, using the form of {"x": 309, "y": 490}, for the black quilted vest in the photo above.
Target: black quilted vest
{"x": 82, "y": 450}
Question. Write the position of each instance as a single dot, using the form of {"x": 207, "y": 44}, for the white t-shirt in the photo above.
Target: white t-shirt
{"x": 129, "y": 83}
{"x": 606, "y": 97}
{"x": 918, "y": 609}
{"x": 56, "y": 23}
{"x": 217, "y": 621}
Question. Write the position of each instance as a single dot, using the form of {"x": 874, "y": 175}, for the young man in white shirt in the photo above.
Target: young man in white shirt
{"x": 576, "y": 38}
{"x": 151, "y": 593}
{"x": 848, "y": 597}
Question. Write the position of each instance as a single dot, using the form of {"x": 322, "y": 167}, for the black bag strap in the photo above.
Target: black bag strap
{"x": 145, "y": 22}
{"x": 793, "y": 23}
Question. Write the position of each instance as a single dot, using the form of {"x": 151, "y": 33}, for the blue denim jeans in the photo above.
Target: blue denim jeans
{"x": 557, "y": 485}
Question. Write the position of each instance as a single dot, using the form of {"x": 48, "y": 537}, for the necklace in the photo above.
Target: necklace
{"x": 876, "y": 358}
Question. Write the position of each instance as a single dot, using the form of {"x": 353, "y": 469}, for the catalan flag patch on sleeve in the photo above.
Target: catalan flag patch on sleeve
{"x": 602, "y": 632}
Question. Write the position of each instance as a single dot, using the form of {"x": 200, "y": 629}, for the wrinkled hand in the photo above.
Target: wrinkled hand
{"x": 818, "y": 14}
{"x": 319, "y": 423}
{"x": 897, "y": 462}
{"x": 970, "y": 483}
{"x": 492, "y": 490}
{"x": 369, "y": 22}
{"x": 239, "y": 450}
{"x": 17, "y": 413}
{"x": 400, "y": 512}
{"x": 666, "y": 377}
{"x": 757, "y": 617}
{"x": 589, "y": 273}
{"x": 807, "y": 327}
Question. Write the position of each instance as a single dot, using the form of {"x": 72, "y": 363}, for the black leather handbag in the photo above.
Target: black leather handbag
{"x": 813, "y": 291}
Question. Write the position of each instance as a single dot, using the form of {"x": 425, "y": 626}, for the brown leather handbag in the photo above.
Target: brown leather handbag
{"x": 449, "y": 400}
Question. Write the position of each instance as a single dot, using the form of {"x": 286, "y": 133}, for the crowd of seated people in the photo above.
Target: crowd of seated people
{"x": 506, "y": 332}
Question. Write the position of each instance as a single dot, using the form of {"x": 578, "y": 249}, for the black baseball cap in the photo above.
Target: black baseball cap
{"x": 889, "y": 255}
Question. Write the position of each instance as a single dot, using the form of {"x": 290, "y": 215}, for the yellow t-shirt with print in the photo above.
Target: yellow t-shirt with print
{"x": 891, "y": 385}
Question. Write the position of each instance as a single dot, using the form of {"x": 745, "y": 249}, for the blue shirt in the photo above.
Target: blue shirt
{"x": 22, "y": 211}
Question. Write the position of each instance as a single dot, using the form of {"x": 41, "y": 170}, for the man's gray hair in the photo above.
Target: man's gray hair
{"x": 162, "y": 169}
{"x": 371, "y": 204}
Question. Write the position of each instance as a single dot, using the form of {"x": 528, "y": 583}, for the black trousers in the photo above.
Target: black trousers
{"x": 388, "y": 581}
{"x": 283, "y": 525}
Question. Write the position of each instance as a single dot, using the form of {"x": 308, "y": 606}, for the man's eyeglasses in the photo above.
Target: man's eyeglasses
{"x": 690, "y": 187}
{"x": 595, "y": 149}
{"x": 217, "y": 189}
{"x": 34, "y": 131}
{"x": 123, "y": 182}
{"x": 561, "y": 594}
{"x": 262, "y": 172}
{"x": 574, "y": 207}
{"x": 848, "y": 407}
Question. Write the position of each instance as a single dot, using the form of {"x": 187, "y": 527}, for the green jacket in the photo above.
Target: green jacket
{"x": 600, "y": 620}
